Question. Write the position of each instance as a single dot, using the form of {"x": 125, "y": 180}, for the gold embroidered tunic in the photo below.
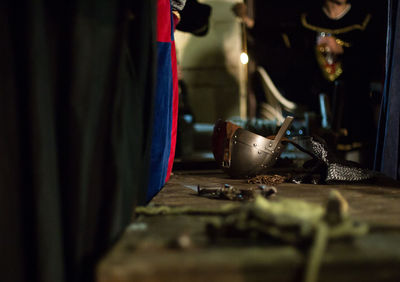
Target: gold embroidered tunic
{"x": 347, "y": 32}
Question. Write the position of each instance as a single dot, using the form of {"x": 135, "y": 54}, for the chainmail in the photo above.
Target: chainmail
{"x": 333, "y": 169}
{"x": 178, "y": 4}
{"x": 338, "y": 172}
{"x": 319, "y": 150}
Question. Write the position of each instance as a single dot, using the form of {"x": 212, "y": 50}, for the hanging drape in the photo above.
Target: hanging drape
{"x": 388, "y": 141}
{"x": 165, "y": 102}
{"x": 76, "y": 98}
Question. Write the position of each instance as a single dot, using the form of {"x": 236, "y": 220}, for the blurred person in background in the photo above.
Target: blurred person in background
{"x": 330, "y": 49}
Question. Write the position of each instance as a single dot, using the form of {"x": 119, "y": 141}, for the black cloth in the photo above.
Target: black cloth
{"x": 387, "y": 158}
{"x": 76, "y": 104}
{"x": 353, "y": 29}
{"x": 348, "y": 95}
{"x": 269, "y": 41}
{"x": 195, "y": 18}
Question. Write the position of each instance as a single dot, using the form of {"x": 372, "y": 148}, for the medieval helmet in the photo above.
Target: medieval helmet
{"x": 242, "y": 153}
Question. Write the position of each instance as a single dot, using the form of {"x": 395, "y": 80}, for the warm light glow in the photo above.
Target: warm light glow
{"x": 244, "y": 58}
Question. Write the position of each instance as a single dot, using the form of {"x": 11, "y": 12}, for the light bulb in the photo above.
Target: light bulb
{"x": 244, "y": 59}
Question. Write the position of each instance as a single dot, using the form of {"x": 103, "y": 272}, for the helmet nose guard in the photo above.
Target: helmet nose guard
{"x": 242, "y": 153}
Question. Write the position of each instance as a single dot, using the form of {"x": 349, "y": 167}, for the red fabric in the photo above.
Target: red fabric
{"x": 176, "y": 20}
{"x": 163, "y": 21}
{"x": 175, "y": 101}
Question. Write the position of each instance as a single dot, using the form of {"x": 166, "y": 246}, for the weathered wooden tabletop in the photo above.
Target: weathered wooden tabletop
{"x": 176, "y": 248}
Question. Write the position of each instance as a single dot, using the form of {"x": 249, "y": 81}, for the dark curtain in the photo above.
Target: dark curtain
{"x": 387, "y": 150}
{"x": 76, "y": 92}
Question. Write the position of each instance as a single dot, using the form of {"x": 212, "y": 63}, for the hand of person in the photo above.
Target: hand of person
{"x": 329, "y": 43}
{"x": 240, "y": 10}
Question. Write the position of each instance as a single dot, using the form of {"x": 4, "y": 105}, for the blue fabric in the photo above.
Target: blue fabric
{"x": 387, "y": 150}
{"x": 162, "y": 125}
{"x": 172, "y": 27}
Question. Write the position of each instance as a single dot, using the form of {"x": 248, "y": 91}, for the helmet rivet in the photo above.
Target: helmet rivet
{"x": 255, "y": 145}
{"x": 234, "y": 142}
{"x": 270, "y": 144}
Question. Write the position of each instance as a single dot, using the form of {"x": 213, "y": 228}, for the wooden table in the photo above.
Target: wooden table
{"x": 176, "y": 248}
